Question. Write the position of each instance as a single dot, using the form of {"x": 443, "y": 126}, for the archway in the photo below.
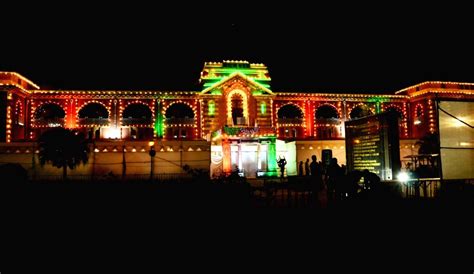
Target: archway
{"x": 290, "y": 112}
{"x": 93, "y": 113}
{"x": 180, "y": 121}
{"x": 179, "y": 111}
{"x": 50, "y": 114}
{"x": 396, "y": 110}
{"x": 137, "y": 113}
{"x": 360, "y": 111}
{"x": 237, "y": 108}
{"x": 290, "y": 119}
{"x": 326, "y": 112}
{"x": 328, "y": 124}
{"x": 139, "y": 118}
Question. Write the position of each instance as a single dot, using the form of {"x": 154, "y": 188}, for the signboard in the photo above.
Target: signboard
{"x": 372, "y": 143}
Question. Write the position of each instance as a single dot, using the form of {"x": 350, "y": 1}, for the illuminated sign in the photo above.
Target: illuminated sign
{"x": 372, "y": 143}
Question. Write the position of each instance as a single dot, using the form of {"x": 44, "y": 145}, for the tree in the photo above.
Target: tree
{"x": 63, "y": 148}
{"x": 428, "y": 144}
{"x": 428, "y": 148}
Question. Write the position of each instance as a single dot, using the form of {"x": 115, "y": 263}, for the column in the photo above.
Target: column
{"x": 309, "y": 118}
{"x": 226, "y": 160}
{"x": 272, "y": 163}
{"x": 71, "y": 113}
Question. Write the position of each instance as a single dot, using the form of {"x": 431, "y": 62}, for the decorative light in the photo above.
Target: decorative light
{"x": 112, "y": 132}
{"x": 211, "y": 107}
{"x": 263, "y": 108}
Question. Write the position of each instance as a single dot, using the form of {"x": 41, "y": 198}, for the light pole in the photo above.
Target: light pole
{"x": 152, "y": 153}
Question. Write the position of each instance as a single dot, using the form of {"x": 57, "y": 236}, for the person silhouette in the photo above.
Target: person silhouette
{"x": 306, "y": 167}
{"x": 371, "y": 180}
{"x": 282, "y": 163}
{"x": 334, "y": 174}
{"x": 315, "y": 167}
{"x": 316, "y": 177}
{"x": 300, "y": 168}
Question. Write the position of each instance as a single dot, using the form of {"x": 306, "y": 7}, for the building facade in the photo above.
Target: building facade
{"x": 236, "y": 121}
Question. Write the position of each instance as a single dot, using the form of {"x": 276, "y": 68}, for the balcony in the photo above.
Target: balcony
{"x": 180, "y": 121}
{"x": 237, "y": 121}
{"x": 136, "y": 121}
{"x": 94, "y": 121}
{"x": 329, "y": 121}
{"x": 49, "y": 122}
{"x": 248, "y": 131}
{"x": 292, "y": 121}
{"x": 329, "y": 128}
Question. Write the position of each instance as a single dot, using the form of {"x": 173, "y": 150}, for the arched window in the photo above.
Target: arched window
{"x": 49, "y": 114}
{"x": 137, "y": 113}
{"x": 396, "y": 110}
{"x": 328, "y": 124}
{"x": 93, "y": 110}
{"x": 237, "y": 108}
{"x": 360, "y": 111}
{"x": 180, "y": 118}
{"x": 290, "y": 114}
{"x": 326, "y": 112}
{"x": 179, "y": 110}
{"x": 93, "y": 113}
{"x": 418, "y": 115}
{"x": 237, "y": 105}
{"x": 179, "y": 113}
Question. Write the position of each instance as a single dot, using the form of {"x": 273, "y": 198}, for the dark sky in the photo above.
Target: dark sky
{"x": 316, "y": 48}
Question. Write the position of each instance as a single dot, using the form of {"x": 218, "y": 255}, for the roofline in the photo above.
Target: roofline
{"x": 21, "y": 77}
{"x": 164, "y": 92}
{"x": 433, "y": 82}
{"x": 342, "y": 95}
{"x": 234, "y": 74}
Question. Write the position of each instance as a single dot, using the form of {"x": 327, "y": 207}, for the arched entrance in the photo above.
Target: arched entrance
{"x": 49, "y": 115}
{"x": 179, "y": 121}
{"x": 328, "y": 124}
{"x": 290, "y": 121}
{"x": 360, "y": 111}
{"x": 93, "y": 116}
{"x": 237, "y": 112}
{"x": 138, "y": 117}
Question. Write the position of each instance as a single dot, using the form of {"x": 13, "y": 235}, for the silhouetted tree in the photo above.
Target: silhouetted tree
{"x": 63, "y": 148}
{"x": 428, "y": 144}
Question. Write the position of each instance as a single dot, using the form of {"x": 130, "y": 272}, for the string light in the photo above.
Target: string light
{"x": 230, "y": 77}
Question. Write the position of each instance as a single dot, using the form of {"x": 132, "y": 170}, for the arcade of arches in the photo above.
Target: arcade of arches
{"x": 242, "y": 121}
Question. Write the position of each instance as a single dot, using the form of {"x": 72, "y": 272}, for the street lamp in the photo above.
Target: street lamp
{"x": 152, "y": 153}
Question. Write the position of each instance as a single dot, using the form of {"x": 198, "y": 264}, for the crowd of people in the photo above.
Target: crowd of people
{"x": 335, "y": 179}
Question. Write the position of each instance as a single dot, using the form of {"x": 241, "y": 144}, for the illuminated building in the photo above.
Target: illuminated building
{"x": 244, "y": 123}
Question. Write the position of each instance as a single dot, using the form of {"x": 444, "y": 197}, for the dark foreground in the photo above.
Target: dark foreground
{"x": 176, "y": 214}
{"x": 153, "y": 197}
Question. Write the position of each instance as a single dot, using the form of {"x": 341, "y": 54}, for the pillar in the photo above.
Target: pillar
{"x": 309, "y": 118}
{"x": 71, "y": 113}
{"x": 272, "y": 162}
{"x": 226, "y": 160}
{"x": 158, "y": 119}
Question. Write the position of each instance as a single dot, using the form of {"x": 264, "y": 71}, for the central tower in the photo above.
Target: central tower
{"x": 237, "y": 116}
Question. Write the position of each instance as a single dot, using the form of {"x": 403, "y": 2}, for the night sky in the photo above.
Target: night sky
{"x": 338, "y": 48}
